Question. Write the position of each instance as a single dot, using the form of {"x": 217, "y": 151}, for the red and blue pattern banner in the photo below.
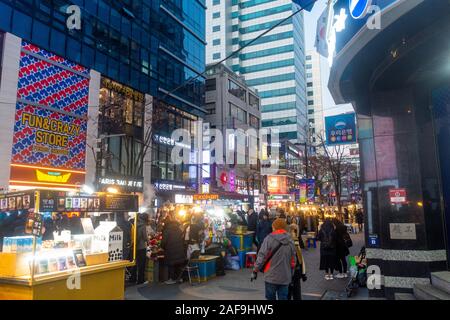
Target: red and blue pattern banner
{"x": 51, "y": 113}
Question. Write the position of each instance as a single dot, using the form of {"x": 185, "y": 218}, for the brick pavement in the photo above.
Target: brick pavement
{"x": 236, "y": 285}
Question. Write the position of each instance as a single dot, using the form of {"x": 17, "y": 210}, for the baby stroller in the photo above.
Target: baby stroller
{"x": 358, "y": 272}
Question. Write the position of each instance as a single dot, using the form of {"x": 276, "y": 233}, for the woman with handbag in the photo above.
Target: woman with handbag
{"x": 343, "y": 242}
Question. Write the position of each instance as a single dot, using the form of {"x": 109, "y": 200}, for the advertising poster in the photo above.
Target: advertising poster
{"x": 340, "y": 129}
{"x": 307, "y": 190}
{"x": 49, "y": 141}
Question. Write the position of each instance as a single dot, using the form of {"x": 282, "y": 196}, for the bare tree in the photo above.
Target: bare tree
{"x": 338, "y": 166}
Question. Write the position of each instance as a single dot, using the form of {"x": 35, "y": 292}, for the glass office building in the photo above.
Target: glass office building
{"x": 150, "y": 46}
{"x": 274, "y": 64}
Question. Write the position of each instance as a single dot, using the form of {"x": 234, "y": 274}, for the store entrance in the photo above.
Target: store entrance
{"x": 441, "y": 115}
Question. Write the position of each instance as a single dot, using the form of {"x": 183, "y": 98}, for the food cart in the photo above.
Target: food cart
{"x": 38, "y": 263}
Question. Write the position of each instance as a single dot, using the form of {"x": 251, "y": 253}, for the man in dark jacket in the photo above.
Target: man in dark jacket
{"x": 173, "y": 244}
{"x": 264, "y": 227}
{"x": 360, "y": 220}
{"x": 277, "y": 259}
{"x": 252, "y": 221}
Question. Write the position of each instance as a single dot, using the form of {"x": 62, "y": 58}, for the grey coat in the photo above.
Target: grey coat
{"x": 280, "y": 268}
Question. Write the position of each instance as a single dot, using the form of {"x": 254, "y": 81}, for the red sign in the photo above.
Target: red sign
{"x": 397, "y": 196}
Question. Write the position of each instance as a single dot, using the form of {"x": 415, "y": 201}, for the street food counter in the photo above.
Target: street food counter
{"x": 65, "y": 246}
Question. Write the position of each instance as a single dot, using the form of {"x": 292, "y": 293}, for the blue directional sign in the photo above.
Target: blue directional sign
{"x": 358, "y": 8}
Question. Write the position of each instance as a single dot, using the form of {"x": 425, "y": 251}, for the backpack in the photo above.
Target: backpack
{"x": 327, "y": 241}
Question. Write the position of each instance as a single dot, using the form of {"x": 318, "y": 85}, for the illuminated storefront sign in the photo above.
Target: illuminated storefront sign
{"x": 277, "y": 184}
{"x": 169, "y": 141}
{"x": 281, "y": 197}
{"x": 165, "y": 186}
{"x": 184, "y": 199}
{"x": 199, "y": 197}
{"x": 49, "y": 140}
{"x": 126, "y": 91}
{"x": 124, "y": 183}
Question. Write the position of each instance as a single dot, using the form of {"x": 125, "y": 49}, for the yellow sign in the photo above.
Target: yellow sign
{"x": 206, "y": 196}
{"x": 52, "y": 176}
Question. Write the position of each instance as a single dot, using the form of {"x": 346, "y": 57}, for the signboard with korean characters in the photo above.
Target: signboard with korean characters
{"x": 123, "y": 183}
{"x": 340, "y": 129}
{"x": 397, "y": 196}
{"x": 403, "y": 231}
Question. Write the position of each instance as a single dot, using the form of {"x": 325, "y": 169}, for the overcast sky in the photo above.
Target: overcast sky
{"x": 311, "y": 18}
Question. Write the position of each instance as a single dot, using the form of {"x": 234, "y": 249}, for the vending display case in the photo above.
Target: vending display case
{"x": 51, "y": 250}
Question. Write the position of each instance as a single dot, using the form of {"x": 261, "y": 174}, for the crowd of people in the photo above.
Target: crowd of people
{"x": 278, "y": 242}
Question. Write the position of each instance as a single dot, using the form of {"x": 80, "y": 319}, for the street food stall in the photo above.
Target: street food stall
{"x": 65, "y": 245}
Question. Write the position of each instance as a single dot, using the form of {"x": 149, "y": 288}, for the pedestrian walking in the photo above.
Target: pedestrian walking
{"x": 276, "y": 259}
{"x": 295, "y": 289}
{"x": 342, "y": 243}
{"x": 360, "y": 220}
{"x": 264, "y": 227}
{"x": 173, "y": 245}
{"x": 327, "y": 238}
{"x": 252, "y": 223}
{"x": 138, "y": 272}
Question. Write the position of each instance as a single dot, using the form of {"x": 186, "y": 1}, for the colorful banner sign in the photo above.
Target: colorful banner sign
{"x": 307, "y": 190}
{"x": 340, "y": 129}
{"x": 51, "y": 119}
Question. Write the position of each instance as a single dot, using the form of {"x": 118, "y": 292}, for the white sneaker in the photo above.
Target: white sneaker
{"x": 340, "y": 276}
{"x": 327, "y": 277}
{"x": 331, "y": 277}
{"x": 345, "y": 275}
{"x": 170, "y": 281}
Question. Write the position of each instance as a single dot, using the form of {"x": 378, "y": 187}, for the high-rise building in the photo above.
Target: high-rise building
{"x": 314, "y": 95}
{"x": 274, "y": 64}
{"x": 116, "y": 63}
{"x": 231, "y": 105}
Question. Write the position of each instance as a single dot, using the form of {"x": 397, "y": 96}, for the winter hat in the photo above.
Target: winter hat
{"x": 279, "y": 224}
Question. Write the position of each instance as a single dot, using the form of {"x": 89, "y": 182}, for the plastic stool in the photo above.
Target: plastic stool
{"x": 250, "y": 259}
{"x": 312, "y": 241}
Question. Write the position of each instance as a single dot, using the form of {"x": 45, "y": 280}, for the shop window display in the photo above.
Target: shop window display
{"x": 61, "y": 232}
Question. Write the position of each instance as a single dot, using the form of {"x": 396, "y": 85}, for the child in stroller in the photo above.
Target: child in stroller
{"x": 358, "y": 271}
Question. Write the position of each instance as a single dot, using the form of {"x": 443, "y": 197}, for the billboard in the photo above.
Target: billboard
{"x": 49, "y": 140}
{"x": 340, "y": 129}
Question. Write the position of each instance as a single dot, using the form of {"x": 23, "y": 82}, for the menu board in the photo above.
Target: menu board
{"x": 119, "y": 203}
{"x": 16, "y": 201}
{"x": 61, "y": 201}
{"x": 34, "y": 224}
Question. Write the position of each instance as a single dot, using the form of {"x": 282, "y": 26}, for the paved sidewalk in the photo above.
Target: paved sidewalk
{"x": 236, "y": 285}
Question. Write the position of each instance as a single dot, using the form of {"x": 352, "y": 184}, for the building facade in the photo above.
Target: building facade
{"x": 314, "y": 95}
{"x": 124, "y": 58}
{"x": 274, "y": 64}
{"x": 398, "y": 80}
{"x": 232, "y": 105}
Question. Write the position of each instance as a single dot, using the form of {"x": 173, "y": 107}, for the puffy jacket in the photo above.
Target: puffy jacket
{"x": 173, "y": 244}
{"x": 263, "y": 229}
{"x": 252, "y": 221}
{"x": 279, "y": 270}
